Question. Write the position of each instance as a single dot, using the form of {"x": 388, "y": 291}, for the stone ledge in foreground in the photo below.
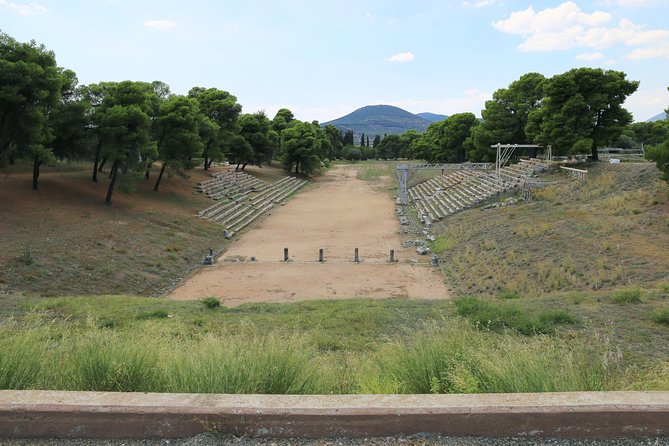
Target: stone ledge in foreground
{"x": 34, "y": 414}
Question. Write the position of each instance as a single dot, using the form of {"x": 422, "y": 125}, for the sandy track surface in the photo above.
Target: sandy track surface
{"x": 337, "y": 213}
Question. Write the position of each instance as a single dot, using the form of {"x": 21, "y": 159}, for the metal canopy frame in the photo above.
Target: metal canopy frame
{"x": 505, "y": 151}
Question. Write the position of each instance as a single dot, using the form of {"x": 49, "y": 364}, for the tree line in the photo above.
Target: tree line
{"x": 576, "y": 112}
{"x": 128, "y": 126}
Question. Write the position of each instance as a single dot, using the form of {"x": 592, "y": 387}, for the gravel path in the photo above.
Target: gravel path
{"x": 208, "y": 439}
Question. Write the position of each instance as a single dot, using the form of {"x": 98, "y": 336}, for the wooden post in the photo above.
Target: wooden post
{"x": 320, "y": 255}
{"x": 285, "y": 254}
{"x": 356, "y": 259}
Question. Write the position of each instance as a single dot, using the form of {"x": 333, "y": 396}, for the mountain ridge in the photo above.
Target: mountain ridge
{"x": 658, "y": 117}
{"x": 380, "y": 120}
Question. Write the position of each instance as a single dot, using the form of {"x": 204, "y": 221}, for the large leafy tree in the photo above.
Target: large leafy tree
{"x": 301, "y": 144}
{"x": 176, "y": 132}
{"x": 64, "y": 135}
{"x": 122, "y": 123}
{"x": 336, "y": 141}
{"x": 30, "y": 88}
{"x": 505, "y": 116}
{"x": 582, "y": 111}
{"x": 407, "y": 140}
{"x": 257, "y": 143}
{"x": 650, "y": 133}
{"x": 450, "y": 138}
{"x": 282, "y": 120}
{"x": 391, "y": 147}
{"x": 68, "y": 120}
{"x": 221, "y": 108}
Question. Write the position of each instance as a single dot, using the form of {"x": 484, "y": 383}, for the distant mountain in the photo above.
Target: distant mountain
{"x": 658, "y": 117}
{"x": 432, "y": 117}
{"x": 380, "y": 120}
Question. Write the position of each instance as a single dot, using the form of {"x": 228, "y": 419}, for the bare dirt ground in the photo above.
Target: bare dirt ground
{"x": 337, "y": 213}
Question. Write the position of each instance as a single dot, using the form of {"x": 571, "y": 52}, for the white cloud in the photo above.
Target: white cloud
{"x": 566, "y": 27}
{"x": 646, "y": 103}
{"x": 650, "y": 52}
{"x": 401, "y": 57}
{"x": 551, "y": 20}
{"x": 590, "y": 56}
{"x": 23, "y": 9}
{"x": 160, "y": 24}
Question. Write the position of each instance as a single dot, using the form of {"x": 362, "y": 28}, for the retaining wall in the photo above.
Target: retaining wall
{"x": 32, "y": 414}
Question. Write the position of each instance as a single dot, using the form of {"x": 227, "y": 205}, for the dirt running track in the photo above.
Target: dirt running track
{"x": 338, "y": 213}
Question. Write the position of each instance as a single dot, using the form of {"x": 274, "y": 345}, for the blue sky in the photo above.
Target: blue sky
{"x": 323, "y": 59}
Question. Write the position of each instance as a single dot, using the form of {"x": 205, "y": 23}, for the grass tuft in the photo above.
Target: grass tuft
{"x": 456, "y": 358}
{"x": 155, "y": 314}
{"x": 26, "y": 257}
{"x": 627, "y": 296}
{"x": 211, "y": 302}
{"x": 661, "y": 316}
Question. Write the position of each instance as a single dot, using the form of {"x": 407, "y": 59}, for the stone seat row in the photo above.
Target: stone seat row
{"x": 237, "y": 210}
{"x": 258, "y": 207}
{"x": 226, "y": 183}
{"x": 445, "y": 195}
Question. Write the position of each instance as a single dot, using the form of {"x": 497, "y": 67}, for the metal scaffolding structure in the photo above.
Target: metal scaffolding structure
{"x": 505, "y": 151}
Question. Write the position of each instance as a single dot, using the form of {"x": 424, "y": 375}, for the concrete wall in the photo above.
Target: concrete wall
{"x": 127, "y": 415}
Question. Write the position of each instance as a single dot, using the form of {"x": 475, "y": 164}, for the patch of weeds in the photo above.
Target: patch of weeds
{"x": 661, "y": 316}
{"x": 26, "y": 257}
{"x": 664, "y": 288}
{"x": 155, "y": 314}
{"x": 557, "y": 317}
{"x": 627, "y": 296}
{"x": 575, "y": 298}
{"x": 109, "y": 323}
{"x": 497, "y": 317}
{"x": 211, "y": 302}
{"x": 443, "y": 243}
{"x": 509, "y": 295}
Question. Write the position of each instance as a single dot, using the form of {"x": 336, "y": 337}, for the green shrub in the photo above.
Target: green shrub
{"x": 211, "y": 302}
{"x": 627, "y": 296}
{"x": 109, "y": 323}
{"x": 557, "y": 317}
{"x": 661, "y": 316}
{"x": 155, "y": 314}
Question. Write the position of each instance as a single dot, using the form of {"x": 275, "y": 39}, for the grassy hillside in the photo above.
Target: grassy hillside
{"x": 63, "y": 240}
{"x": 611, "y": 230}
